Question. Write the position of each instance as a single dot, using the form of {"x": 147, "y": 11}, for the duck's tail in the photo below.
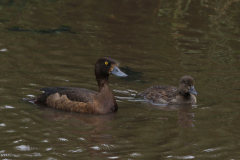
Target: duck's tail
{"x": 41, "y": 99}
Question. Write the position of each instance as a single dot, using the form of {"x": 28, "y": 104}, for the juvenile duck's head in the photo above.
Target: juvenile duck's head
{"x": 186, "y": 85}
{"x": 106, "y": 66}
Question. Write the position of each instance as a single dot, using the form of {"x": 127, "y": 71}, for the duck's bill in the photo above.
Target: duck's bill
{"x": 192, "y": 90}
{"x": 117, "y": 72}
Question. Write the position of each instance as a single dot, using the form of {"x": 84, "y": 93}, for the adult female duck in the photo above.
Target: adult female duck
{"x": 83, "y": 100}
{"x": 185, "y": 94}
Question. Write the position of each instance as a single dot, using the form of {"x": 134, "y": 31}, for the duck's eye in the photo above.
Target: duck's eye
{"x": 106, "y": 63}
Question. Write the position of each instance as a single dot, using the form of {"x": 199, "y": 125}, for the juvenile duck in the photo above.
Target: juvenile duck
{"x": 83, "y": 100}
{"x": 185, "y": 94}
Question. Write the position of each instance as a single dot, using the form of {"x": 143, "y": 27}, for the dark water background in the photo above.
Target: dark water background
{"x": 57, "y": 42}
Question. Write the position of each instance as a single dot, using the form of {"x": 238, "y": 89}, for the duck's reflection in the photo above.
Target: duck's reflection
{"x": 99, "y": 122}
{"x": 185, "y": 116}
{"x": 93, "y": 138}
{"x": 184, "y": 112}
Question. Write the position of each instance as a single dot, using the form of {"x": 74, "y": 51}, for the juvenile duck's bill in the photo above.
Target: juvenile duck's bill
{"x": 192, "y": 90}
{"x": 117, "y": 72}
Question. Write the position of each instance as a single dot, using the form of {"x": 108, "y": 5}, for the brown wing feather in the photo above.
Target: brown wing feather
{"x": 63, "y": 103}
{"x": 78, "y": 94}
{"x": 74, "y": 94}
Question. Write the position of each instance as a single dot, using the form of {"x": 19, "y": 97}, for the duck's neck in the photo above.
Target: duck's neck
{"x": 185, "y": 94}
{"x": 103, "y": 83}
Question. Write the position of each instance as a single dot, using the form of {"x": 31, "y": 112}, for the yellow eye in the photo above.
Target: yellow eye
{"x": 106, "y": 63}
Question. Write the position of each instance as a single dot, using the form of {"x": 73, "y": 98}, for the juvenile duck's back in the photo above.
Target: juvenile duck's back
{"x": 160, "y": 94}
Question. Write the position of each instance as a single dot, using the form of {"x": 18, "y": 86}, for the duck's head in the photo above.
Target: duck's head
{"x": 106, "y": 66}
{"x": 186, "y": 85}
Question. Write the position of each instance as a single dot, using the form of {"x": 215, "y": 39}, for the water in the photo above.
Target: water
{"x": 56, "y": 43}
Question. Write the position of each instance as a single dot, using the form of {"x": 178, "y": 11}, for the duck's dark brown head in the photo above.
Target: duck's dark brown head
{"x": 106, "y": 66}
{"x": 186, "y": 85}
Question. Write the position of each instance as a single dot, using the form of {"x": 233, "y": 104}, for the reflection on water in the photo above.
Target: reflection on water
{"x": 99, "y": 122}
{"x": 185, "y": 117}
{"x": 184, "y": 113}
{"x": 44, "y": 31}
{"x": 94, "y": 137}
{"x": 156, "y": 41}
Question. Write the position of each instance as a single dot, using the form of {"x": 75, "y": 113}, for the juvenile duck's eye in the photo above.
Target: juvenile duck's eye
{"x": 106, "y": 63}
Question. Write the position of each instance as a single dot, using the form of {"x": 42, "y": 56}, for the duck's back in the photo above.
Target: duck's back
{"x": 72, "y": 93}
{"x": 161, "y": 94}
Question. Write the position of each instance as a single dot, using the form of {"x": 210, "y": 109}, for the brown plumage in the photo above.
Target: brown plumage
{"x": 83, "y": 100}
{"x": 172, "y": 95}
